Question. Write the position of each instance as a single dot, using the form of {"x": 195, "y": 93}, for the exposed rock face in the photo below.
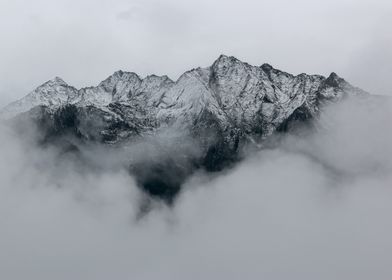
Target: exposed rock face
{"x": 222, "y": 107}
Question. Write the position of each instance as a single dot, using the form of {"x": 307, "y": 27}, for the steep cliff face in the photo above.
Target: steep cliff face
{"x": 222, "y": 108}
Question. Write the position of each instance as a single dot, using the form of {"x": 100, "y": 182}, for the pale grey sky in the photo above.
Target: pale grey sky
{"x": 84, "y": 41}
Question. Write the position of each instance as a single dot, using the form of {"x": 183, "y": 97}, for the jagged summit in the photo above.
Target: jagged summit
{"x": 334, "y": 80}
{"x": 52, "y": 83}
{"x": 58, "y": 81}
{"x": 225, "y": 59}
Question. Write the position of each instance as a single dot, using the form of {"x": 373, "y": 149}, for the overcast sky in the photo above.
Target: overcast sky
{"x": 85, "y": 41}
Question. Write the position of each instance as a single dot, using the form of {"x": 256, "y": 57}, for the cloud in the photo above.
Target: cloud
{"x": 314, "y": 206}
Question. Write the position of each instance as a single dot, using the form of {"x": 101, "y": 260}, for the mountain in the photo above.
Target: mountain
{"x": 222, "y": 108}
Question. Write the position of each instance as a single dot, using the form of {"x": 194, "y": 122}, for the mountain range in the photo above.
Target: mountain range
{"x": 221, "y": 108}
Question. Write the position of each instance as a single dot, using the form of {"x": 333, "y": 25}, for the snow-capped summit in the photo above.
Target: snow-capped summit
{"x": 53, "y": 93}
{"x": 57, "y": 81}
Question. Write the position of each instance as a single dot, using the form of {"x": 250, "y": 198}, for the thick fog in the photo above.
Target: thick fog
{"x": 316, "y": 205}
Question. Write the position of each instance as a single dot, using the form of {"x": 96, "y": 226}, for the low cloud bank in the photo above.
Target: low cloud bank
{"x": 315, "y": 206}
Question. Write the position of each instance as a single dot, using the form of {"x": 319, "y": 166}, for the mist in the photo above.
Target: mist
{"x": 312, "y": 204}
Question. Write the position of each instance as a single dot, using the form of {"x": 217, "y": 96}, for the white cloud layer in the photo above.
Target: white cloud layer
{"x": 316, "y": 206}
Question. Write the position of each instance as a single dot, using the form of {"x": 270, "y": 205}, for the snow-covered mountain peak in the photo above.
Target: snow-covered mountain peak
{"x": 119, "y": 77}
{"x": 334, "y": 80}
{"x": 227, "y": 60}
{"x": 57, "y": 81}
{"x": 53, "y": 93}
{"x": 54, "y": 85}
